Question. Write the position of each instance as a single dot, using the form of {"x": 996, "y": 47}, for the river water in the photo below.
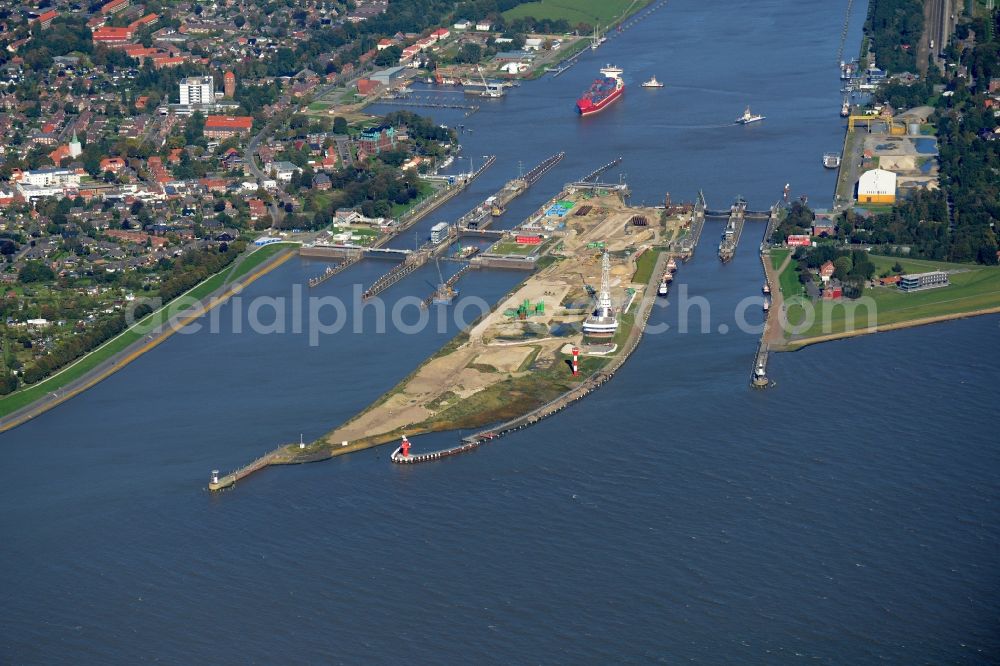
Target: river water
{"x": 848, "y": 515}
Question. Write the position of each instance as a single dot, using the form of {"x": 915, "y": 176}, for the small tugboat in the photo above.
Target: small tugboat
{"x": 664, "y": 289}
{"x": 672, "y": 265}
{"x": 831, "y": 160}
{"x": 749, "y": 117}
{"x": 767, "y": 288}
{"x": 767, "y": 305}
{"x": 845, "y": 109}
{"x": 652, "y": 83}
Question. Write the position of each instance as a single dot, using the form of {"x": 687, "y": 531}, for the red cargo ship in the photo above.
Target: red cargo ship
{"x": 603, "y": 92}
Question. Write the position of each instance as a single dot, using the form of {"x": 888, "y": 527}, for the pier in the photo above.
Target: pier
{"x": 772, "y": 224}
{"x": 330, "y": 272}
{"x": 217, "y": 482}
{"x": 430, "y": 205}
{"x": 428, "y": 104}
{"x": 734, "y": 229}
{"x": 598, "y": 187}
{"x": 412, "y": 263}
{"x": 510, "y": 262}
{"x": 758, "y": 375}
{"x": 685, "y": 247}
{"x": 481, "y": 216}
{"x": 593, "y": 175}
{"x": 555, "y": 406}
{"x": 449, "y": 283}
{"x": 774, "y": 301}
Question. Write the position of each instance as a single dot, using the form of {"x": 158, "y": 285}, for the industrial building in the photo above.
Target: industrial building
{"x": 388, "y": 76}
{"x": 877, "y": 186}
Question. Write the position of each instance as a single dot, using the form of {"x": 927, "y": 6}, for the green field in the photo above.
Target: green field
{"x": 778, "y": 256}
{"x": 505, "y": 247}
{"x": 575, "y": 11}
{"x": 788, "y": 280}
{"x": 644, "y": 267}
{"x": 975, "y": 288}
{"x": 319, "y": 106}
{"x": 25, "y": 396}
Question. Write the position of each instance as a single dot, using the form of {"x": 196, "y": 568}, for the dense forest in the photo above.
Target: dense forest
{"x": 957, "y": 223}
{"x": 895, "y": 27}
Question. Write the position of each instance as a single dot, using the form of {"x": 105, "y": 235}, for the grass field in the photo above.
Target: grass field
{"x": 788, "y": 280}
{"x": 778, "y": 256}
{"x": 974, "y": 288}
{"x": 513, "y": 248}
{"x": 25, "y": 396}
{"x": 644, "y": 267}
{"x": 574, "y": 11}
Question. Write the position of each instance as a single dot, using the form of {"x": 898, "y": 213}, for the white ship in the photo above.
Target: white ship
{"x": 652, "y": 83}
{"x": 749, "y": 117}
{"x": 602, "y": 322}
{"x": 831, "y": 160}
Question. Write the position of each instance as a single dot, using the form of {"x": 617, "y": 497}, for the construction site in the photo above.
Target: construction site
{"x": 520, "y": 355}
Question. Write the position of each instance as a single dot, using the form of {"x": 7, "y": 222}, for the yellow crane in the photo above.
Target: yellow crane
{"x": 895, "y": 128}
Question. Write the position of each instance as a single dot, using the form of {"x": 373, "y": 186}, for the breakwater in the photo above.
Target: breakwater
{"x": 217, "y": 482}
{"x": 339, "y": 268}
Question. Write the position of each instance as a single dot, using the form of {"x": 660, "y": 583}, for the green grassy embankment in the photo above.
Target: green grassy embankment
{"x": 575, "y": 11}
{"x": 973, "y": 289}
{"x": 86, "y": 363}
{"x": 644, "y": 267}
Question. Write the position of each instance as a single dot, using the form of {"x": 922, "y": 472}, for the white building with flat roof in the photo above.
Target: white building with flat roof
{"x": 921, "y": 281}
{"x": 197, "y": 90}
{"x": 54, "y": 177}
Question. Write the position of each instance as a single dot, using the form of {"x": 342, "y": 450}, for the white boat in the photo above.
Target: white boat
{"x": 664, "y": 289}
{"x": 749, "y": 117}
{"x": 767, "y": 288}
{"x": 652, "y": 83}
{"x": 831, "y": 160}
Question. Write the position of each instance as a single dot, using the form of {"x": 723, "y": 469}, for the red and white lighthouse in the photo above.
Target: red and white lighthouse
{"x": 405, "y": 446}
{"x": 576, "y": 361}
